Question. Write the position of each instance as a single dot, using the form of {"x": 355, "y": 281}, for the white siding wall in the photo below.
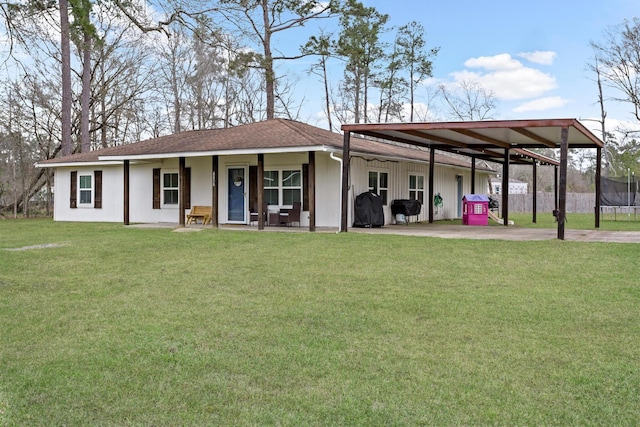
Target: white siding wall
{"x": 445, "y": 183}
{"x": 328, "y": 191}
{"x": 141, "y": 193}
{"x": 112, "y": 198}
{"x": 328, "y": 187}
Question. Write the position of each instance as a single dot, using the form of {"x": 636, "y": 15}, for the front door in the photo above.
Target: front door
{"x": 236, "y": 210}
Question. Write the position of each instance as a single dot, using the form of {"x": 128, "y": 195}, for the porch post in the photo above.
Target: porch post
{"x": 312, "y": 190}
{"x": 345, "y": 182}
{"x": 505, "y": 188}
{"x": 261, "y": 214}
{"x": 181, "y": 201}
{"x": 126, "y": 192}
{"x": 598, "y": 189}
{"x": 214, "y": 191}
{"x": 562, "y": 200}
{"x": 432, "y": 161}
{"x": 535, "y": 190}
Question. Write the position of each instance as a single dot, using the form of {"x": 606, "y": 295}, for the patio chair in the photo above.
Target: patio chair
{"x": 289, "y": 216}
{"x": 253, "y": 213}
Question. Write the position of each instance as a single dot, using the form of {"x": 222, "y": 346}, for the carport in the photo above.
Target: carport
{"x": 501, "y": 141}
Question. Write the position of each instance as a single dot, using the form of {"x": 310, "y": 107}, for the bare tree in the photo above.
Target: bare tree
{"x": 258, "y": 21}
{"x": 618, "y": 59}
{"x": 468, "y": 100}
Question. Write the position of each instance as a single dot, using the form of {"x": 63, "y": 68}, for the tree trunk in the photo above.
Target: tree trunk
{"x": 85, "y": 138}
{"x": 65, "y": 49}
{"x": 269, "y": 74}
{"x": 326, "y": 91}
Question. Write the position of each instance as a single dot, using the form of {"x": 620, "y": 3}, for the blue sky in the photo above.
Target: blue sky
{"x": 532, "y": 55}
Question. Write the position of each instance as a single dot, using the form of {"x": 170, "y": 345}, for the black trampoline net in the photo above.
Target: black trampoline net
{"x": 618, "y": 191}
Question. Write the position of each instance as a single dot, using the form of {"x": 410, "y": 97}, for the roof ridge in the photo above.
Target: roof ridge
{"x": 295, "y": 126}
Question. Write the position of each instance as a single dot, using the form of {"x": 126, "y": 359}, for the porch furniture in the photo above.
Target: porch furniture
{"x": 289, "y": 216}
{"x": 199, "y": 213}
{"x": 274, "y": 218}
{"x": 253, "y": 213}
{"x": 403, "y": 209}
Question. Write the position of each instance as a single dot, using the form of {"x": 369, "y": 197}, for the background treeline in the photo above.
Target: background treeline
{"x": 80, "y": 75}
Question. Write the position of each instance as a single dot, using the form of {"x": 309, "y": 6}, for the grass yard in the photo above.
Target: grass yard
{"x": 106, "y": 325}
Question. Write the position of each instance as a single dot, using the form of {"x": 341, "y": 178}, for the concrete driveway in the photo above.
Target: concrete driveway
{"x": 445, "y": 231}
{"x": 502, "y": 233}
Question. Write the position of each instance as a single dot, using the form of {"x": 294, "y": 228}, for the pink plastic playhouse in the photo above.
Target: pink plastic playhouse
{"x": 475, "y": 209}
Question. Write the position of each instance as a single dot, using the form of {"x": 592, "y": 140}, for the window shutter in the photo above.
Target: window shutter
{"x": 97, "y": 198}
{"x": 156, "y": 188}
{"x": 73, "y": 194}
{"x": 187, "y": 188}
{"x": 305, "y": 187}
{"x": 253, "y": 186}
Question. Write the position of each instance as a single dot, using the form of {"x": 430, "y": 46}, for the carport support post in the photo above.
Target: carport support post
{"x": 181, "y": 203}
{"x": 555, "y": 188}
{"x": 562, "y": 200}
{"x": 260, "y": 191}
{"x": 598, "y": 175}
{"x": 214, "y": 191}
{"x": 473, "y": 174}
{"x": 126, "y": 192}
{"x": 505, "y": 188}
{"x": 344, "y": 211}
{"x": 535, "y": 191}
{"x": 432, "y": 161}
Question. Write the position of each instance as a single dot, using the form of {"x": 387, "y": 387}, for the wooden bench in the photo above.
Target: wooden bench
{"x": 199, "y": 212}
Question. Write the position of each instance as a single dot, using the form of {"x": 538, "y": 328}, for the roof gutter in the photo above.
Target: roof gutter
{"x": 339, "y": 160}
{"x": 213, "y": 153}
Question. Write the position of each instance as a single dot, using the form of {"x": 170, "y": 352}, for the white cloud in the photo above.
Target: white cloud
{"x": 539, "y": 57}
{"x": 541, "y": 104}
{"x": 506, "y": 77}
{"x": 503, "y": 61}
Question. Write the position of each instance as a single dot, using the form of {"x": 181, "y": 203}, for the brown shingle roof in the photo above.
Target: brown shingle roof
{"x": 267, "y": 135}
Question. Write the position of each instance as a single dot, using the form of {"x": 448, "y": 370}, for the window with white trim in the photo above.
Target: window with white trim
{"x": 379, "y": 184}
{"x": 85, "y": 190}
{"x": 170, "y": 188}
{"x": 283, "y": 187}
{"x": 416, "y": 188}
{"x": 291, "y": 186}
{"x": 271, "y": 187}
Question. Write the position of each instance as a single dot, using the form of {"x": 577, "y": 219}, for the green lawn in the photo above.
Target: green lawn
{"x": 107, "y": 325}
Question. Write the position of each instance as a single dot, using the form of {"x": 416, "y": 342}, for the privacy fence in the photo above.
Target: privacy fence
{"x": 576, "y": 202}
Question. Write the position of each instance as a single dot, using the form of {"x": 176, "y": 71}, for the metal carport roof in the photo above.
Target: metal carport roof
{"x": 503, "y": 141}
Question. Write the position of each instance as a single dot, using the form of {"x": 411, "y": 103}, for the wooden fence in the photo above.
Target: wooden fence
{"x": 576, "y": 202}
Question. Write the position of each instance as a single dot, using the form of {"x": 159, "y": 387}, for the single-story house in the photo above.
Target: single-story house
{"x": 515, "y": 186}
{"x": 272, "y": 164}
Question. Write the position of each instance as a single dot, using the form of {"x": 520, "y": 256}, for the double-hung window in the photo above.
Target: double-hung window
{"x": 85, "y": 190}
{"x": 283, "y": 187}
{"x": 271, "y": 187}
{"x": 416, "y": 188}
{"x": 291, "y": 186}
{"x": 379, "y": 184}
{"x": 170, "y": 188}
